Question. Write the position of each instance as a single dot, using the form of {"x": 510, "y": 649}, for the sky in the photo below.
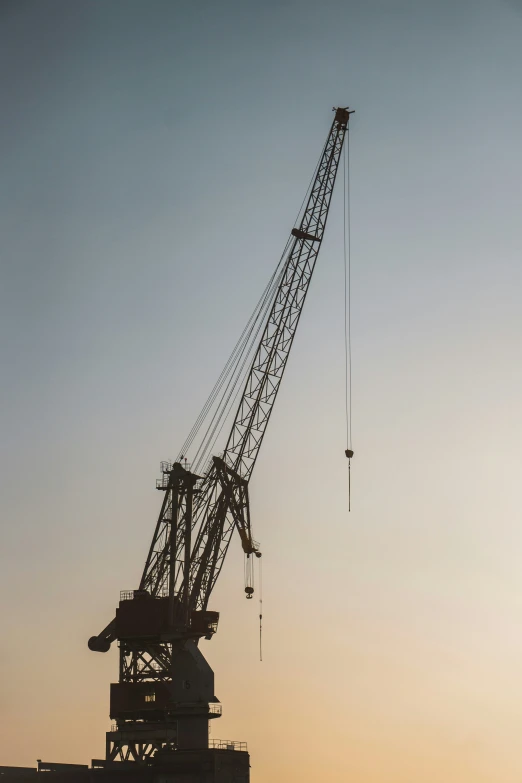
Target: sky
{"x": 154, "y": 154}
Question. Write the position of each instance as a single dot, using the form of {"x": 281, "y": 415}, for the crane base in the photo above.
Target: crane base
{"x": 210, "y": 765}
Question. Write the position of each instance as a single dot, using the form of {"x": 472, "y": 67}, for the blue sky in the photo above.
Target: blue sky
{"x": 154, "y": 157}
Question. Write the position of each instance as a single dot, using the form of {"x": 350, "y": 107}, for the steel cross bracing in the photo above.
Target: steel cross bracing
{"x": 163, "y": 570}
{"x": 220, "y": 504}
{"x": 218, "y": 509}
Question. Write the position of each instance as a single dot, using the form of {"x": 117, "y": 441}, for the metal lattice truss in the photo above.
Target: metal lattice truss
{"x": 221, "y": 499}
{"x": 142, "y": 663}
{"x": 122, "y": 745}
{"x": 271, "y": 357}
{"x": 162, "y": 567}
{"x": 220, "y": 504}
{"x": 227, "y": 508}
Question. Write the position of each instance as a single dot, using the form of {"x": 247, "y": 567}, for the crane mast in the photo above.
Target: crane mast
{"x": 165, "y": 697}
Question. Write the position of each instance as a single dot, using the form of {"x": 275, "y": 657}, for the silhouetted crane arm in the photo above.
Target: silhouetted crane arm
{"x": 263, "y": 381}
{"x": 206, "y": 510}
{"x": 270, "y": 360}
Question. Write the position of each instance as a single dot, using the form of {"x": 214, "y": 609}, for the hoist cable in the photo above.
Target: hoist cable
{"x": 347, "y": 294}
{"x": 347, "y": 309}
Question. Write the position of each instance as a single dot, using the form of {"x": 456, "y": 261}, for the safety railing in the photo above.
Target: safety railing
{"x": 215, "y": 709}
{"x": 227, "y": 744}
{"x": 166, "y": 470}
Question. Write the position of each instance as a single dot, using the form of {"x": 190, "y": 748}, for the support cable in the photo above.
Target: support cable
{"x": 235, "y": 380}
{"x": 234, "y": 367}
{"x": 238, "y": 387}
{"x": 238, "y": 348}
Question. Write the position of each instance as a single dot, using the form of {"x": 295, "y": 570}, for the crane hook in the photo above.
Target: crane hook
{"x": 349, "y": 454}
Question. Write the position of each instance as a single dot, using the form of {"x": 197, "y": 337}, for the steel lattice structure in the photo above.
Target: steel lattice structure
{"x": 216, "y": 516}
{"x": 272, "y": 354}
{"x": 158, "y": 625}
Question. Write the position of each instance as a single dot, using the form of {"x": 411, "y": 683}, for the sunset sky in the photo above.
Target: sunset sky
{"x": 154, "y": 155}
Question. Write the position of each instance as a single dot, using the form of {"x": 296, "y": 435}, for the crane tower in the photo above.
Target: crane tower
{"x": 164, "y": 698}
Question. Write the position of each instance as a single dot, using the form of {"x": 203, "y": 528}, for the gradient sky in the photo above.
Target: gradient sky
{"x": 154, "y": 155}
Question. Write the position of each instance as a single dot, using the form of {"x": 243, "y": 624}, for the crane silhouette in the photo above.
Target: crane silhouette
{"x": 164, "y": 697}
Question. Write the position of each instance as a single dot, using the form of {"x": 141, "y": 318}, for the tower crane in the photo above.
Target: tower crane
{"x": 164, "y": 697}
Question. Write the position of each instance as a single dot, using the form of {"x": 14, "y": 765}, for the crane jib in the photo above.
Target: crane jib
{"x": 215, "y": 512}
{"x": 270, "y": 360}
